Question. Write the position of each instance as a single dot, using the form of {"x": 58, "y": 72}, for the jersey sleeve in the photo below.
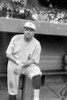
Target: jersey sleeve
{"x": 37, "y": 53}
{"x": 10, "y": 47}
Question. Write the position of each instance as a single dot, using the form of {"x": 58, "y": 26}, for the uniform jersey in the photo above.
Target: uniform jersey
{"x": 23, "y": 50}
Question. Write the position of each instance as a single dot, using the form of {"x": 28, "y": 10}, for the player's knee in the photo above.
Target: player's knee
{"x": 36, "y": 81}
{"x": 35, "y": 70}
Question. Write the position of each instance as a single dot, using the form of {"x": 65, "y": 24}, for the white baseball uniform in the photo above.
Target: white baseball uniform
{"x": 23, "y": 51}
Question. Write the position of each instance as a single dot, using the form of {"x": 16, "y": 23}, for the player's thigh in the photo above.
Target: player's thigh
{"x": 33, "y": 70}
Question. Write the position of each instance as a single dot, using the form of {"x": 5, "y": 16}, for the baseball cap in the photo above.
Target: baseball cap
{"x": 30, "y": 25}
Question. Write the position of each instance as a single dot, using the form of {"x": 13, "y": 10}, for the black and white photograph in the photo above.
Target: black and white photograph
{"x": 33, "y": 50}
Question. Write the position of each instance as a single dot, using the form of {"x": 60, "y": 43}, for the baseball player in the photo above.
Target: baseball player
{"x": 23, "y": 55}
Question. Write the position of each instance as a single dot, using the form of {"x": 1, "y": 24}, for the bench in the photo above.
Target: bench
{"x": 47, "y": 73}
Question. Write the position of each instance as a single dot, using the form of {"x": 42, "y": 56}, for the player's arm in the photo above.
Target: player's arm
{"x": 35, "y": 56}
{"x": 29, "y": 62}
{"x": 12, "y": 58}
{"x": 10, "y": 51}
{"x": 18, "y": 69}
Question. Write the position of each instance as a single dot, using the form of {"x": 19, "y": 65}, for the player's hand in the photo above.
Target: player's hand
{"x": 18, "y": 62}
{"x": 17, "y": 71}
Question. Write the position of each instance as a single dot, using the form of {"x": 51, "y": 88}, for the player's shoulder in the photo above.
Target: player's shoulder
{"x": 37, "y": 44}
{"x": 37, "y": 41}
{"x": 17, "y": 37}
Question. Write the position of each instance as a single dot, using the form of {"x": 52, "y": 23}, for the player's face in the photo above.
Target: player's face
{"x": 28, "y": 33}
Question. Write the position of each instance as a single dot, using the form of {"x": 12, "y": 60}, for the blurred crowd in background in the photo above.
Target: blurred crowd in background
{"x": 17, "y": 9}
